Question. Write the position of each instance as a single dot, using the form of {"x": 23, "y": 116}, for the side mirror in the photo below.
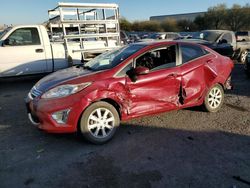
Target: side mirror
{"x": 134, "y": 72}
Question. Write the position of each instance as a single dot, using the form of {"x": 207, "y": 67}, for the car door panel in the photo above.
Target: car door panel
{"x": 21, "y": 60}
{"x": 194, "y": 80}
{"x": 157, "y": 91}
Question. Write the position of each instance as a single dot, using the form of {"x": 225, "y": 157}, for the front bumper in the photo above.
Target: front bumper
{"x": 40, "y": 113}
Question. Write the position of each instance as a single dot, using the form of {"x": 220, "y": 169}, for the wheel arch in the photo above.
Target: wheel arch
{"x": 111, "y": 101}
{"x": 221, "y": 84}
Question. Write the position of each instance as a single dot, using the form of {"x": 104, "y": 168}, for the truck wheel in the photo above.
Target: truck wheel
{"x": 99, "y": 122}
{"x": 243, "y": 56}
{"x": 214, "y": 98}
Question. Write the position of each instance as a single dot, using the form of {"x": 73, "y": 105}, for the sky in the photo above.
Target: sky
{"x": 35, "y": 11}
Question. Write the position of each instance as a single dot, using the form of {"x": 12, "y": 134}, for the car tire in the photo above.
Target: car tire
{"x": 243, "y": 56}
{"x": 99, "y": 122}
{"x": 247, "y": 70}
{"x": 214, "y": 98}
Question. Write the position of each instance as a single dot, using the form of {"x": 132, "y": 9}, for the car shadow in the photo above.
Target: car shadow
{"x": 140, "y": 155}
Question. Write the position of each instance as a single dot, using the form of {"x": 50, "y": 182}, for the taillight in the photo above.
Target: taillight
{"x": 232, "y": 64}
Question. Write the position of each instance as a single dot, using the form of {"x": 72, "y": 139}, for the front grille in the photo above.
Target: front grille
{"x": 35, "y": 92}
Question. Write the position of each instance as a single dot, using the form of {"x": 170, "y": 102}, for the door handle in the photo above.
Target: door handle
{"x": 39, "y": 50}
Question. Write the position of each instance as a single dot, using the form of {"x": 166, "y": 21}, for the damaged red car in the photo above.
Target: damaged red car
{"x": 134, "y": 81}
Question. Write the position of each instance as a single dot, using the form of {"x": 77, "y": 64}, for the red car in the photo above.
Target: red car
{"x": 134, "y": 81}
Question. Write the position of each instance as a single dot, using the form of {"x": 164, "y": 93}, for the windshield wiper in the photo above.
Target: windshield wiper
{"x": 84, "y": 67}
{"x": 87, "y": 67}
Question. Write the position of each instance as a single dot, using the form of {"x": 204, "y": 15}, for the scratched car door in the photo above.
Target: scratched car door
{"x": 156, "y": 91}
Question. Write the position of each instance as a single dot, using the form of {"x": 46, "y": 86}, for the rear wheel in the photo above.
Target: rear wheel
{"x": 99, "y": 122}
{"x": 214, "y": 98}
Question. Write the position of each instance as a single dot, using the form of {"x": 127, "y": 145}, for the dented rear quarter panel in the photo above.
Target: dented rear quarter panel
{"x": 221, "y": 66}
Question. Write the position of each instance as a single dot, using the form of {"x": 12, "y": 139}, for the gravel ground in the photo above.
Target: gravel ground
{"x": 187, "y": 148}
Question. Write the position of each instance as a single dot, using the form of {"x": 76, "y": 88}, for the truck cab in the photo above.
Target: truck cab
{"x": 25, "y": 50}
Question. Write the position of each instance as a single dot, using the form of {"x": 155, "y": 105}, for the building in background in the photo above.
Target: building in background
{"x": 1, "y": 27}
{"x": 177, "y": 17}
{"x": 4, "y": 26}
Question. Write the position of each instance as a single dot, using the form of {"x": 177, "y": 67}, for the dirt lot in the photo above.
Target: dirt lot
{"x": 186, "y": 148}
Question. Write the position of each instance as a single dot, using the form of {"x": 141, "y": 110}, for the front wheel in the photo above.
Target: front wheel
{"x": 214, "y": 98}
{"x": 99, "y": 122}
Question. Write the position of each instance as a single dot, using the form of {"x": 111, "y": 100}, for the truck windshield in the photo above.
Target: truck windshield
{"x": 3, "y": 32}
{"x": 211, "y": 36}
{"x": 110, "y": 59}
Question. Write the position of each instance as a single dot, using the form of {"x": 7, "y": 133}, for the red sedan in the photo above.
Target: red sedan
{"x": 134, "y": 81}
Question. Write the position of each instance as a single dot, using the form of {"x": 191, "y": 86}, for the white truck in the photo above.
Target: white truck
{"x": 73, "y": 32}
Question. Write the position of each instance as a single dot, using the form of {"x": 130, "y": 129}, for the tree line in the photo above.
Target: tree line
{"x": 220, "y": 16}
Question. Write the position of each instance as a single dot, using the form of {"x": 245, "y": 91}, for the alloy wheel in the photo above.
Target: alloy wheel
{"x": 215, "y": 98}
{"x": 101, "y": 122}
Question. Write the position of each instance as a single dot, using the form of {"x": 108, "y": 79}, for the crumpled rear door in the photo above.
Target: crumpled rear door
{"x": 196, "y": 76}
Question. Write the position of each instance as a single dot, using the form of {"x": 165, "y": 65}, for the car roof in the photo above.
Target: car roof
{"x": 165, "y": 42}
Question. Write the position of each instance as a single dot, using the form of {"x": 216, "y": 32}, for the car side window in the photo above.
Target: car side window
{"x": 123, "y": 72}
{"x": 190, "y": 52}
{"x": 24, "y": 36}
{"x": 158, "y": 59}
{"x": 227, "y": 37}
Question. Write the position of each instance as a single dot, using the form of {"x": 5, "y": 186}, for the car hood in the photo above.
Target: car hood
{"x": 58, "y": 77}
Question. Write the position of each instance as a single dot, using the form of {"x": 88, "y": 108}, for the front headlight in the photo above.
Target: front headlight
{"x": 64, "y": 90}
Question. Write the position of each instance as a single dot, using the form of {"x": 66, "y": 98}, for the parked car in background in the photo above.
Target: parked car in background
{"x": 161, "y": 36}
{"x": 172, "y": 35}
{"x": 157, "y": 36}
{"x": 224, "y": 42}
{"x": 188, "y": 35}
{"x": 242, "y": 36}
{"x": 134, "y": 38}
{"x": 134, "y": 81}
{"x": 124, "y": 38}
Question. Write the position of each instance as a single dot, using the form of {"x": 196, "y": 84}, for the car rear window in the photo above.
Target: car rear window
{"x": 190, "y": 52}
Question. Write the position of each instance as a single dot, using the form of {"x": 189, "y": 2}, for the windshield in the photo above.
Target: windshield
{"x": 2, "y": 33}
{"x": 110, "y": 59}
{"x": 211, "y": 36}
